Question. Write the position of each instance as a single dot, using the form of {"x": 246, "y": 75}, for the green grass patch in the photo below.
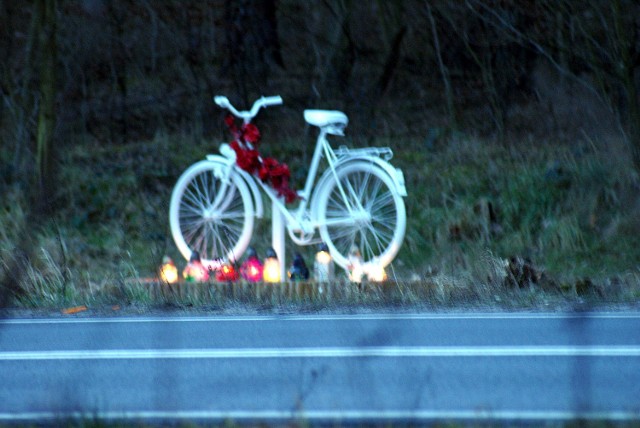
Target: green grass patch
{"x": 478, "y": 214}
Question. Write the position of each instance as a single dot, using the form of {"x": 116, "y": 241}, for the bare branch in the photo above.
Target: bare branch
{"x": 519, "y": 37}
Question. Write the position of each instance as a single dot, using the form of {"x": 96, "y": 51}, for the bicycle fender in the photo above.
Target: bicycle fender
{"x": 394, "y": 173}
{"x": 253, "y": 187}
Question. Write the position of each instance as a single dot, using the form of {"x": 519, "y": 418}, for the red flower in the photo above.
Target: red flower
{"x": 248, "y": 160}
{"x": 250, "y": 133}
{"x": 230, "y": 121}
{"x": 269, "y": 170}
{"x": 280, "y": 170}
{"x": 235, "y": 146}
{"x": 289, "y": 195}
{"x": 265, "y": 170}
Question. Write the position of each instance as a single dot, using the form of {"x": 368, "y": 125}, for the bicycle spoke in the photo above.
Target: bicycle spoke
{"x": 344, "y": 245}
{"x": 205, "y": 220}
{"x": 335, "y": 200}
{"x": 363, "y": 245}
{"x": 376, "y": 224}
{"x": 337, "y": 212}
{"x": 231, "y": 216}
{"x": 192, "y": 231}
{"x": 373, "y": 193}
{"x": 202, "y": 189}
{"x": 338, "y": 233}
{"x": 364, "y": 185}
{"x": 378, "y": 203}
{"x": 204, "y": 245}
{"x": 188, "y": 233}
{"x": 217, "y": 244}
{"x": 352, "y": 193}
{"x": 386, "y": 219}
{"x": 198, "y": 239}
{"x": 209, "y": 188}
{"x": 227, "y": 236}
{"x": 193, "y": 200}
{"x": 380, "y": 240}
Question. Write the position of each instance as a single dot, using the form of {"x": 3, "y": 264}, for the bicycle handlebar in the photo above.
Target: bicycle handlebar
{"x": 223, "y": 102}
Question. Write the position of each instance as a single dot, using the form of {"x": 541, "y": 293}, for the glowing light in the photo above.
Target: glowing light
{"x": 226, "y": 273}
{"x": 168, "y": 271}
{"x": 356, "y": 273}
{"x": 251, "y": 268}
{"x": 271, "y": 267}
{"x": 195, "y": 271}
{"x": 376, "y": 272}
{"x": 323, "y": 269}
{"x": 355, "y": 266}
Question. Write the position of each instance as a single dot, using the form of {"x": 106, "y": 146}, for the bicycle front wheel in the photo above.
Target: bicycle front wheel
{"x": 363, "y": 209}
{"x": 211, "y": 212}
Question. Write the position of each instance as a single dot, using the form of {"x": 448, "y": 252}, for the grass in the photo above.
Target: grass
{"x": 488, "y": 224}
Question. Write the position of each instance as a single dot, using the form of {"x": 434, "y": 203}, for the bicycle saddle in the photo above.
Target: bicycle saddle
{"x": 324, "y": 118}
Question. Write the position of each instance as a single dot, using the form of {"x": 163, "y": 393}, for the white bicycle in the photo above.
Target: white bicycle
{"x": 357, "y": 201}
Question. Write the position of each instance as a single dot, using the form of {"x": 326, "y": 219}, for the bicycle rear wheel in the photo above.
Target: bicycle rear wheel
{"x": 211, "y": 211}
{"x": 363, "y": 209}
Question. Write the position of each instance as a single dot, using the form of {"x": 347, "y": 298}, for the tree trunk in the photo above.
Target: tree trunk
{"x": 46, "y": 10}
{"x": 444, "y": 72}
{"x": 625, "y": 39}
{"x": 253, "y": 44}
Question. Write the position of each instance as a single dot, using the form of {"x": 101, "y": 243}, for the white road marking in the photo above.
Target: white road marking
{"x": 337, "y": 317}
{"x": 328, "y": 415}
{"x": 363, "y": 352}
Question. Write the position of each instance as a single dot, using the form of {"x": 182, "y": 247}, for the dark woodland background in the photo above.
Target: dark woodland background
{"x": 106, "y": 84}
{"x": 121, "y": 70}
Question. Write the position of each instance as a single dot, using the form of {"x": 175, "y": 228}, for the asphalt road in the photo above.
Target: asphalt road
{"x": 336, "y": 368}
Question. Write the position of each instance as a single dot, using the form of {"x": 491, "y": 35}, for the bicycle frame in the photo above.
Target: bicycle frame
{"x": 354, "y": 200}
{"x": 303, "y": 219}
{"x": 295, "y": 219}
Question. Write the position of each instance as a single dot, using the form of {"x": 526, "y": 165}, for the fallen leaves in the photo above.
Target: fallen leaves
{"x": 74, "y": 310}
